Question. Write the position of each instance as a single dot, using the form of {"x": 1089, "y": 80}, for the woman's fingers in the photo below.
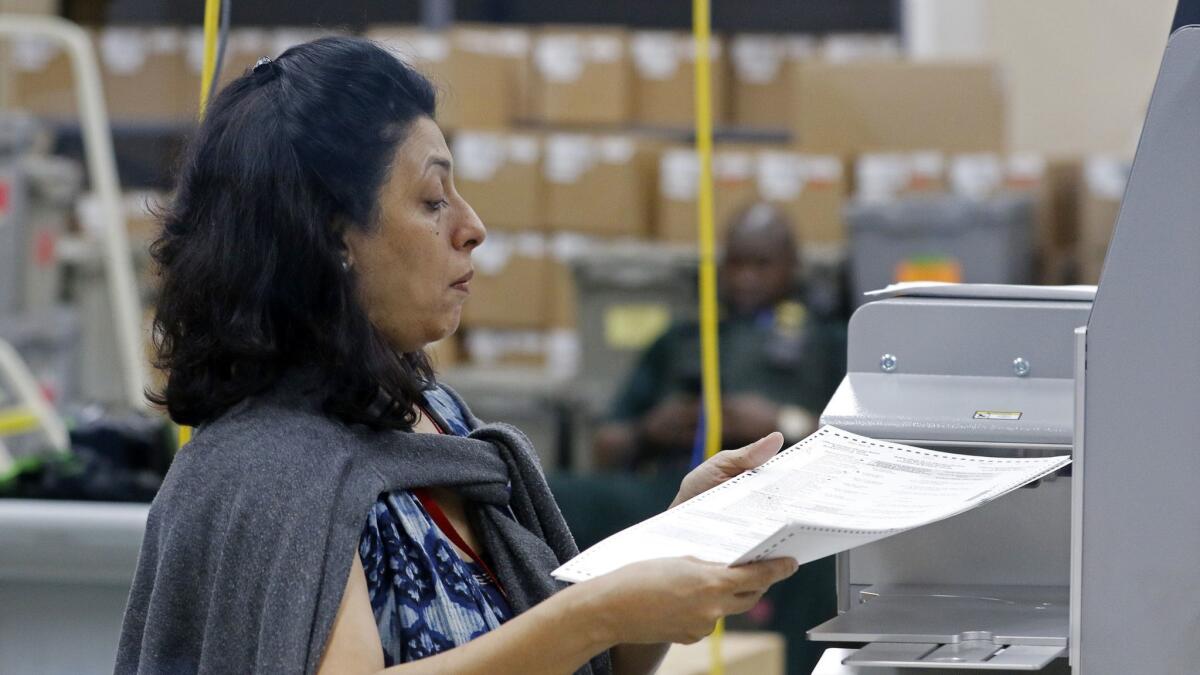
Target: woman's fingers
{"x": 761, "y": 575}
{"x": 751, "y": 456}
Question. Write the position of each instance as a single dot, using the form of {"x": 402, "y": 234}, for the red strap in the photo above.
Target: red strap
{"x": 439, "y": 518}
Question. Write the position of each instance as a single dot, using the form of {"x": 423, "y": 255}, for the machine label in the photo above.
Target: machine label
{"x": 997, "y": 415}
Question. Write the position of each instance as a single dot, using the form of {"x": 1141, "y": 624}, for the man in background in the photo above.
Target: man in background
{"x": 780, "y": 362}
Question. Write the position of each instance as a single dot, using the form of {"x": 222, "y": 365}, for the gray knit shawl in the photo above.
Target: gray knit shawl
{"x": 249, "y": 542}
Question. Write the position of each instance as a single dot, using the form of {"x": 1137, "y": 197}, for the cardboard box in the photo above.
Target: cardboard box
{"x": 445, "y": 353}
{"x": 582, "y": 76}
{"x": 598, "y": 184}
{"x": 763, "y": 73}
{"x": 811, "y": 189}
{"x": 41, "y": 79}
{"x": 246, "y": 46}
{"x": 144, "y": 73}
{"x": 734, "y": 184}
{"x": 498, "y": 347}
{"x": 884, "y": 176}
{"x": 664, "y": 79}
{"x": 1104, "y": 184}
{"x": 426, "y": 51}
{"x": 510, "y": 285}
{"x": 563, "y": 292}
{"x": 488, "y": 79}
{"x": 500, "y": 177}
{"x": 850, "y": 47}
{"x": 744, "y": 653}
{"x": 880, "y": 106}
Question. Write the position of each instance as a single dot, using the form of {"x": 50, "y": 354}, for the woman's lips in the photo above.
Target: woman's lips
{"x": 463, "y": 283}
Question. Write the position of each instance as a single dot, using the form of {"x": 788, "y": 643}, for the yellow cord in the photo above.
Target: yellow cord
{"x": 15, "y": 421}
{"x": 710, "y": 369}
{"x": 212, "y": 17}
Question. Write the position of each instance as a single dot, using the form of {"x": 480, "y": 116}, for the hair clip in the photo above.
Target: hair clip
{"x": 265, "y": 66}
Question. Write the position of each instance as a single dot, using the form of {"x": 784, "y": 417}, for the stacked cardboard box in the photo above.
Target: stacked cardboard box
{"x": 488, "y": 78}
{"x": 664, "y": 90}
{"x": 1104, "y": 187}
{"x": 859, "y": 107}
{"x": 597, "y": 184}
{"x": 500, "y": 175}
{"x": 42, "y": 81}
{"x": 144, "y": 73}
{"x": 427, "y": 51}
{"x": 582, "y": 76}
{"x": 810, "y": 188}
{"x": 763, "y": 70}
{"x": 510, "y": 290}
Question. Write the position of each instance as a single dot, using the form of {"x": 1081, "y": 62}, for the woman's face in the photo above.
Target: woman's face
{"x": 414, "y": 268}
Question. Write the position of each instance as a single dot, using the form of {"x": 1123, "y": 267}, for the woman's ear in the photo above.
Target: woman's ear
{"x": 350, "y": 241}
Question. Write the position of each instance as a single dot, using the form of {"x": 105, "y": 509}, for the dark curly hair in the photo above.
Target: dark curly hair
{"x": 252, "y": 285}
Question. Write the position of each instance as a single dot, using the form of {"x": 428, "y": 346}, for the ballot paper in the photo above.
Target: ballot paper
{"x": 829, "y": 493}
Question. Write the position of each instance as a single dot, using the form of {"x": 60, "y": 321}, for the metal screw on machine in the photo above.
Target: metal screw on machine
{"x": 887, "y": 363}
{"x": 1021, "y": 367}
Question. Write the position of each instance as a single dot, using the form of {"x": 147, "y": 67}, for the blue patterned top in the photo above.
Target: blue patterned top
{"x": 426, "y": 598}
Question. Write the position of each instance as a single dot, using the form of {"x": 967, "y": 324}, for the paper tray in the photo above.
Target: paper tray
{"x": 1025, "y": 615}
{"x": 978, "y": 627}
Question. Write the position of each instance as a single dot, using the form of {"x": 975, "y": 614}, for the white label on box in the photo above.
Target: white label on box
{"x": 780, "y": 176}
{"x": 530, "y": 244}
{"x": 430, "y": 48}
{"x": 1106, "y": 176}
{"x": 123, "y": 50}
{"x": 568, "y": 246}
{"x": 1026, "y": 167}
{"x": 679, "y": 174}
{"x": 881, "y": 176}
{"x": 823, "y": 168}
{"x": 733, "y": 166}
{"x": 511, "y": 43}
{"x": 799, "y": 47}
{"x": 927, "y": 165}
{"x": 286, "y": 38}
{"x": 559, "y": 58}
{"x": 568, "y": 156}
{"x": 563, "y": 352}
{"x": 604, "y": 48}
{"x": 492, "y": 257}
{"x": 757, "y": 58}
{"x": 616, "y": 149}
{"x": 33, "y": 53}
{"x": 655, "y": 55}
{"x": 478, "y": 155}
{"x": 163, "y": 40}
{"x": 860, "y": 47}
{"x": 522, "y": 149}
{"x": 975, "y": 175}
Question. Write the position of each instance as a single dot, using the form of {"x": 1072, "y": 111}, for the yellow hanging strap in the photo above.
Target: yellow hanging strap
{"x": 212, "y": 19}
{"x": 711, "y": 373}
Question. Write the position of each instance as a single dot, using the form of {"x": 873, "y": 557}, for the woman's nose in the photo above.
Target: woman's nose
{"x": 470, "y": 231}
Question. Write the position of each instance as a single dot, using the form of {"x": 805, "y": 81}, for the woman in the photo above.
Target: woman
{"x": 337, "y": 510}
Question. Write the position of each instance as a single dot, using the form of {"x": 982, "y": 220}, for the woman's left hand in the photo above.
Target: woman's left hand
{"x": 727, "y": 464}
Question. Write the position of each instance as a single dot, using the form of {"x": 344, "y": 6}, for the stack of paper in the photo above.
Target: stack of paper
{"x": 831, "y": 492}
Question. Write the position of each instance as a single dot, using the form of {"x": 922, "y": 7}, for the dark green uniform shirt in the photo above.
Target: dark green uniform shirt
{"x": 785, "y": 355}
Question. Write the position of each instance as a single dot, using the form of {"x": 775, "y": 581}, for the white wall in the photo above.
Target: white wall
{"x": 1079, "y": 72}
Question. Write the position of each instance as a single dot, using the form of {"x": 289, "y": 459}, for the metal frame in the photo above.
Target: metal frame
{"x": 102, "y": 172}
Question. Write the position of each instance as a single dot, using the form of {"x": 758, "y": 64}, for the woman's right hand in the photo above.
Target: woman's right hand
{"x": 680, "y": 599}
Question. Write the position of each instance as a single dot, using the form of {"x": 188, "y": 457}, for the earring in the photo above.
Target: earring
{"x": 345, "y": 264}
